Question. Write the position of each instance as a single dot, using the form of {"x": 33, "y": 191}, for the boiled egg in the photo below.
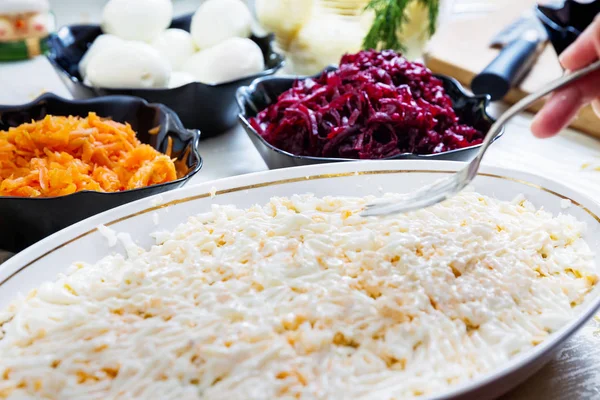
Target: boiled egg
{"x": 141, "y": 20}
{"x": 219, "y": 20}
{"x": 128, "y": 65}
{"x": 179, "y": 78}
{"x": 101, "y": 42}
{"x": 227, "y": 61}
{"x": 175, "y": 45}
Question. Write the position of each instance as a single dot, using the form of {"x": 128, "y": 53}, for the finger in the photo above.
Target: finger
{"x": 585, "y": 50}
{"x": 558, "y": 111}
{"x": 563, "y": 106}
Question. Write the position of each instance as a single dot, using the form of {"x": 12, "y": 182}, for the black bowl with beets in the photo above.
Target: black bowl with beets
{"x": 376, "y": 105}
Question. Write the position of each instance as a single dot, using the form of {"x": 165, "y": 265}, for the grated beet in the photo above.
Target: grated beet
{"x": 375, "y": 105}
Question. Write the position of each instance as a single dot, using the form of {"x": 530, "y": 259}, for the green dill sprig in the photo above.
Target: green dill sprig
{"x": 433, "y": 6}
{"x": 390, "y": 17}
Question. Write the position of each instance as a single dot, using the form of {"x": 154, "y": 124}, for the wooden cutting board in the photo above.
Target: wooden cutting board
{"x": 461, "y": 49}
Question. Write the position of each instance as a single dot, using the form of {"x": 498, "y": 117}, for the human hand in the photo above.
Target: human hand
{"x": 563, "y": 105}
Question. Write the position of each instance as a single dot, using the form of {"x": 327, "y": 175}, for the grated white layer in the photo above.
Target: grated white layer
{"x": 302, "y": 298}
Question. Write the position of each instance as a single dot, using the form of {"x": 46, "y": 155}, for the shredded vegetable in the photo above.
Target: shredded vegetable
{"x": 375, "y": 105}
{"x": 60, "y": 155}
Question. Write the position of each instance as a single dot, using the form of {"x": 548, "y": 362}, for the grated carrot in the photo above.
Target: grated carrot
{"x": 57, "y": 156}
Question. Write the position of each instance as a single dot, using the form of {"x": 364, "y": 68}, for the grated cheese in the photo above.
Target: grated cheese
{"x": 565, "y": 203}
{"x": 109, "y": 234}
{"x": 302, "y": 298}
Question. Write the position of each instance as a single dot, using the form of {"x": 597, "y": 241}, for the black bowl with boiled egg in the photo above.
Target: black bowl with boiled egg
{"x": 211, "y": 108}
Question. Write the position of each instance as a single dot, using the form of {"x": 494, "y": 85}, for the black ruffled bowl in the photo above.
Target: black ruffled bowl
{"x": 24, "y": 221}
{"x": 471, "y": 110}
{"x": 209, "y": 108}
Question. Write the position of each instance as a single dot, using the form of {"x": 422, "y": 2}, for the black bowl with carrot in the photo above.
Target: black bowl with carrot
{"x": 62, "y": 161}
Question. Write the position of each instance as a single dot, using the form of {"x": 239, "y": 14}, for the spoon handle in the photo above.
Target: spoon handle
{"x": 527, "y": 101}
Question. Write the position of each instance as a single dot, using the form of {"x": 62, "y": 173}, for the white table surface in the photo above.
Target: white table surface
{"x": 574, "y": 374}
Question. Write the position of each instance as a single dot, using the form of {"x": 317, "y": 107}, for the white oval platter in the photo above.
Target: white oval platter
{"x": 83, "y": 242}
